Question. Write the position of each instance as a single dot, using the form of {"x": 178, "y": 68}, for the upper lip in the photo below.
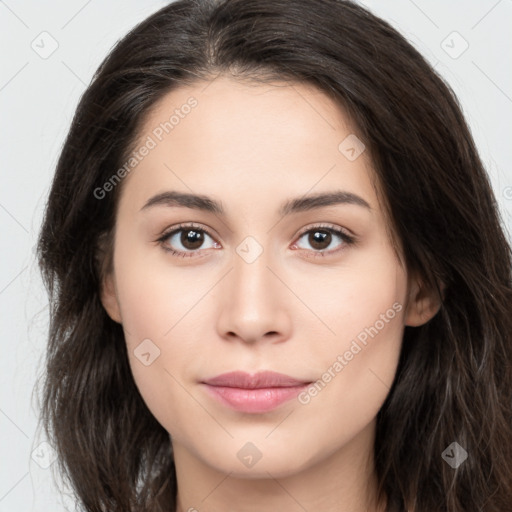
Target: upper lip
{"x": 265, "y": 379}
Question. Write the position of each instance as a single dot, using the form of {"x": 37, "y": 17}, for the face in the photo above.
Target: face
{"x": 271, "y": 278}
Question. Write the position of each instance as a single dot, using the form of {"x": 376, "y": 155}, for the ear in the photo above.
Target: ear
{"x": 109, "y": 298}
{"x": 105, "y": 269}
{"x": 423, "y": 302}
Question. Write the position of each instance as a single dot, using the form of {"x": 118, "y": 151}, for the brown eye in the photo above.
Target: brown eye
{"x": 191, "y": 238}
{"x": 186, "y": 240}
{"x": 320, "y": 238}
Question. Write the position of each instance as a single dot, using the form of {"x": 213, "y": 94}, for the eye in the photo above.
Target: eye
{"x": 321, "y": 237}
{"x": 185, "y": 240}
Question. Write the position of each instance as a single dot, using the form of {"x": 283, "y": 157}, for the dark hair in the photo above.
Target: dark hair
{"x": 454, "y": 379}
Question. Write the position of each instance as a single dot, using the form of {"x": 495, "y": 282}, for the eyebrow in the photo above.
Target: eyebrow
{"x": 300, "y": 204}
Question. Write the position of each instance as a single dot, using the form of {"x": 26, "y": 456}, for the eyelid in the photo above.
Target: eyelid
{"x": 186, "y": 225}
{"x": 327, "y": 226}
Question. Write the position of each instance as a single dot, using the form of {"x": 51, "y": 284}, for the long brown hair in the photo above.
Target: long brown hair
{"x": 454, "y": 379}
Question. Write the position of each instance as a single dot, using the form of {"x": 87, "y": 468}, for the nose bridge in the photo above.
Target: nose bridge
{"x": 253, "y": 305}
{"x": 251, "y": 278}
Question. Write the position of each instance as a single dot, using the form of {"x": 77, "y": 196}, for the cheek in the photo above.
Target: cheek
{"x": 154, "y": 294}
{"x": 157, "y": 308}
{"x": 357, "y": 362}
{"x": 355, "y": 375}
{"x": 157, "y": 364}
{"x": 364, "y": 299}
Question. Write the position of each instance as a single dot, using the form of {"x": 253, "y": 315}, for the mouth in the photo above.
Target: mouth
{"x": 257, "y": 393}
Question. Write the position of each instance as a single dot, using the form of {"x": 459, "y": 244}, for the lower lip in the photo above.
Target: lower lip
{"x": 254, "y": 400}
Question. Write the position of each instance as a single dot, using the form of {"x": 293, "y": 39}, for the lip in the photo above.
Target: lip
{"x": 257, "y": 393}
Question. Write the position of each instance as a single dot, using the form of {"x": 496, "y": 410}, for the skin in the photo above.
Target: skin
{"x": 252, "y": 147}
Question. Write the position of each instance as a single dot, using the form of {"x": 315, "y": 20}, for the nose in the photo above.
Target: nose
{"x": 255, "y": 304}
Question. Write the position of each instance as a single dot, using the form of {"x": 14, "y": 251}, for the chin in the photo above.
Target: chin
{"x": 279, "y": 463}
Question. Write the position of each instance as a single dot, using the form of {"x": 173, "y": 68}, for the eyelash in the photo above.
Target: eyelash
{"x": 346, "y": 238}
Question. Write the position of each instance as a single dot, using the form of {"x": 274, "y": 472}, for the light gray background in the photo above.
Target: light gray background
{"x": 37, "y": 101}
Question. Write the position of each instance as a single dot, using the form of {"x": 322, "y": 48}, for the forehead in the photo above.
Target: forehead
{"x": 225, "y": 137}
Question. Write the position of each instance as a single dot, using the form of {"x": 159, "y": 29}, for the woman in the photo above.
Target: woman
{"x": 277, "y": 274}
